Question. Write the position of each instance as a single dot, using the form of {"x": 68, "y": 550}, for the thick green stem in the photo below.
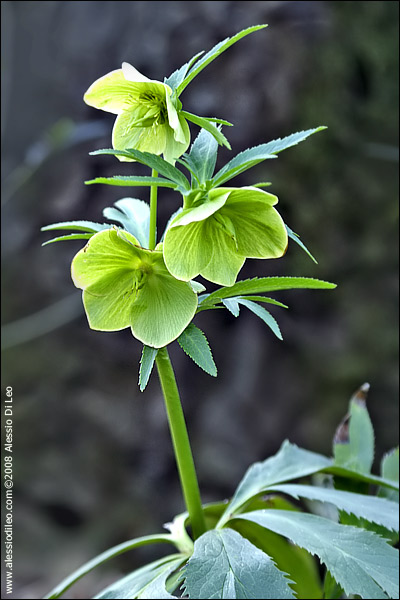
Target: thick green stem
{"x": 153, "y": 214}
{"x": 180, "y": 440}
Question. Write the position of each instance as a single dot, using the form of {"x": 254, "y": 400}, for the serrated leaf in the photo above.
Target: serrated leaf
{"x": 146, "y": 366}
{"x": 263, "y": 314}
{"x": 105, "y": 556}
{"x": 232, "y": 305}
{"x": 226, "y": 565}
{"x": 372, "y": 508}
{"x": 213, "y": 54}
{"x": 296, "y": 238}
{"x": 134, "y": 215}
{"x": 203, "y": 156}
{"x": 360, "y": 561}
{"x": 128, "y": 181}
{"x": 300, "y": 566}
{"x": 146, "y": 582}
{"x": 176, "y": 78}
{"x": 353, "y": 444}
{"x": 194, "y": 343}
{"x": 291, "y": 462}
{"x": 362, "y": 477}
{"x": 85, "y": 226}
{"x": 253, "y": 156}
{"x": 267, "y": 284}
{"x": 206, "y": 123}
{"x": 264, "y": 299}
{"x": 71, "y": 236}
{"x": 153, "y": 161}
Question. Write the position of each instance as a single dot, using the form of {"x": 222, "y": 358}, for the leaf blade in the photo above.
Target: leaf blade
{"x": 194, "y": 343}
{"x": 128, "y": 181}
{"x": 146, "y": 365}
{"x": 264, "y": 315}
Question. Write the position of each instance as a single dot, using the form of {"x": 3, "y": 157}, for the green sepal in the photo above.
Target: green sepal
{"x": 194, "y": 343}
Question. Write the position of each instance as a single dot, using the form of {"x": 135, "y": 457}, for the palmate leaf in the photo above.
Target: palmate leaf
{"x": 360, "y": 561}
{"x": 194, "y": 343}
{"x": 263, "y": 314}
{"x": 134, "y": 215}
{"x": 213, "y": 54}
{"x": 253, "y": 156}
{"x": 291, "y": 462}
{"x": 226, "y": 565}
{"x": 390, "y": 470}
{"x": 153, "y": 161}
{"x": 176, "y": 78}
{"x": 372, "y": 508}
{"x": 266, "y": 284}
{"x": 147, "y": 582}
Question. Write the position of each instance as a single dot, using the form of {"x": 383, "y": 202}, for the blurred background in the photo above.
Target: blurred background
{"x": 93, "y": 462}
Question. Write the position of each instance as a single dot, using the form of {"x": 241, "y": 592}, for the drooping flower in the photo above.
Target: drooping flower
{"x": 217, "y": 230}
{"x": 125, "y": 285}
{"x": 149, "y": 116}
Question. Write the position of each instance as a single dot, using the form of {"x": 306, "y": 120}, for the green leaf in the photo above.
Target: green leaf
{"x": 362, "y": 477}
{"x": 194, "y": 343}
{"x": 232, "y": 305}
{"x": 360, "y": 561}
{"x": 291, "y": 462}
{"x": 176, "y": 78}
{"x": 264, "y": 315}
{"x": 153, "y": 161}
{"x": 371, "y": 508}
{"x": 213, "y": 53}
{"x": 226, "y": 565}
{"x": 72, "y": 236}
{"x": 300, "y": 566}
{"x": 253, "y": 156}
{"x": 133, "y": 215}
{"x": 332, "y": 590}
{"x": 127, "y": 181}
{"x": 147, "y": 582}
{"x": 296, "y": 238}
{"x": 203, "y": 156}
{"x": 390, "y": 470}
{"x": 85, "y": 226}
{"x": 264, "y": 299}
{"x": 268, "y": 284}
{"x": 353, "y": 444}
{"x": 206, "y": 123}
{"x": 146, "y": 366}
{"x": 107, "y": 555}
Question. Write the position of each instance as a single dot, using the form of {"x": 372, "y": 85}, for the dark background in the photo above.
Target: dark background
{"x": 93, "y": 463}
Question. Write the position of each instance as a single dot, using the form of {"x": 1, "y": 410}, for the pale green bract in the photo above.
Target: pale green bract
{"x": 125, "y": 285}
{"x": 217, "y": 230}
{"x": 148, "y": 118}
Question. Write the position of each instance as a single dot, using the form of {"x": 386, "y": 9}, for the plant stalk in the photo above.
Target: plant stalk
{"x": 181, "y": 444}
{"x": 153, "y": 214}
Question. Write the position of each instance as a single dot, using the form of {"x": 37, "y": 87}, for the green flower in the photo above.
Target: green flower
{"x": 217, "y": 230}
{"x": 125, "y": 285}
{"x": 148, "y": 118}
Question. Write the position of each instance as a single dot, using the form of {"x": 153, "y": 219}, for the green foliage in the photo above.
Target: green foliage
{"x": 226, "y": 565}
{"x": 194, "y": 343}
{"x": 146, "y": 366}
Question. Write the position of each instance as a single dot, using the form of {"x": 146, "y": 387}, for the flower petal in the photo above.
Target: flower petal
{"x": 174, "y": 148}
{"x": 259, "y": 229}
{"x": 163, "y": 308}
{"x": 146, "y": 139}
{"x": 112, "y": 93}
{"x": 226, "y": 262}
{"x": 187, "y": 250}
{"x": 132, "y": 74}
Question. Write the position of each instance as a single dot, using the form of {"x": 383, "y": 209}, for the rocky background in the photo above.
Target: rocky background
{"x": 93, "y": 463}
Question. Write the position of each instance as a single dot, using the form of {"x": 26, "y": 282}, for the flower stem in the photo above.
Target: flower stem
{"x": 180, "y": 440}
{"x": 153, "y": 214}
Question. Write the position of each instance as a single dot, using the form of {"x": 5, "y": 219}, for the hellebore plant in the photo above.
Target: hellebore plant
{"x": 261, "y": 543}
